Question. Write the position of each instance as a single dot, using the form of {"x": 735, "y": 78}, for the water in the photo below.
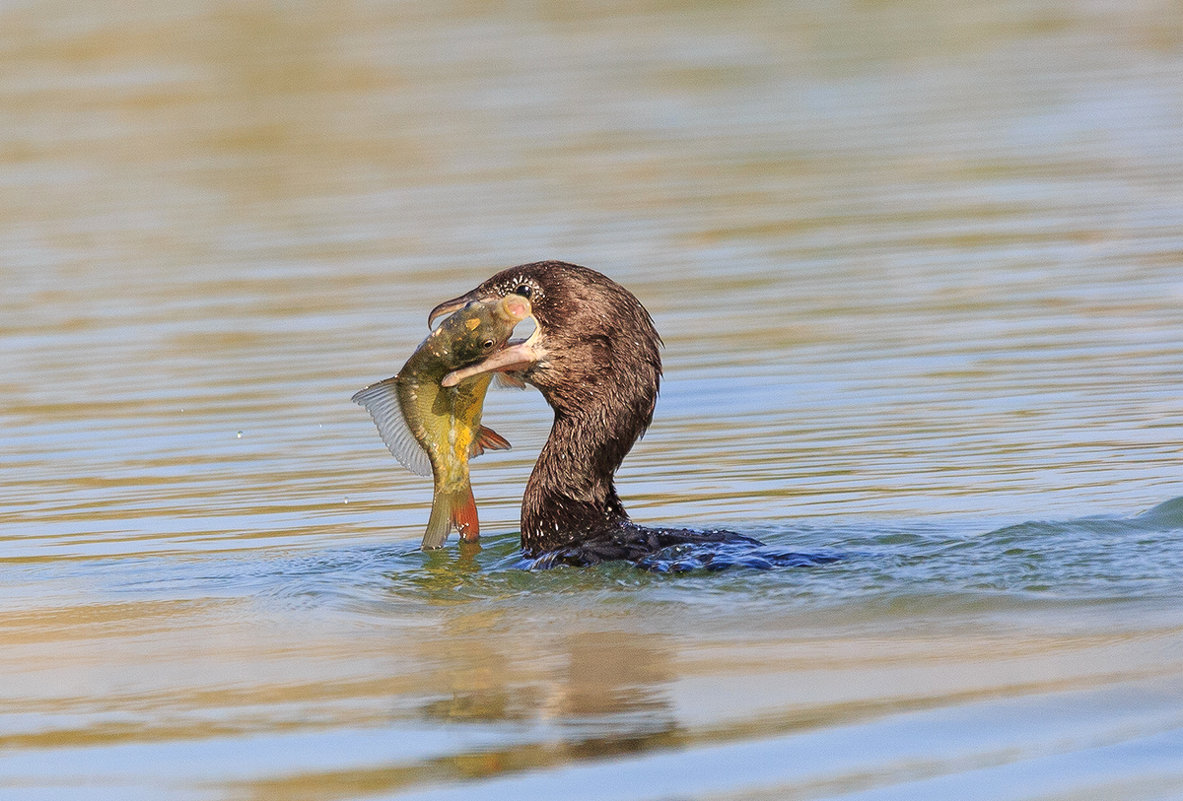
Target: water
{"x": 918, "y": 267}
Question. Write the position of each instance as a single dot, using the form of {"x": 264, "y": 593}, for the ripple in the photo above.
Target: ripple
{"x": 1086, "y": 559}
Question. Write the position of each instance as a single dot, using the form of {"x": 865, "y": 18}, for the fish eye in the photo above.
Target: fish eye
{"x": 524, "y": 290}
{"x": 488, "y": 343}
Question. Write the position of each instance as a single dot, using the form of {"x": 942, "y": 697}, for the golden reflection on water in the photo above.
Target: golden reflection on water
{"x": 914, "y": 263}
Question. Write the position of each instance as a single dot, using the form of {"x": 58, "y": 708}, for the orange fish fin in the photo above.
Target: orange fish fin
{"x": 451, "y": 509}
{"x": 487, "y": 439}
{"x": 464, "y": 516}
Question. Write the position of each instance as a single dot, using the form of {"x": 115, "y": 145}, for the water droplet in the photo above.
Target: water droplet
{"x": 239, "y": 435}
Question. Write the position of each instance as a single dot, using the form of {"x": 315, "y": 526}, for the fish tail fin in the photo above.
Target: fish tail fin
{"x": 464, "y": 515}
{"x": 456, "y": 508}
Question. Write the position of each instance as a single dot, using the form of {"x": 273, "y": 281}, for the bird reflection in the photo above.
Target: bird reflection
{"x": 612, "y": 673}
{"x": 605, "y": 688}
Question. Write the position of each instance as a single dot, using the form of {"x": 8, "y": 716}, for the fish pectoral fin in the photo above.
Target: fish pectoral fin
{"x": 487, "y": 439}
{"x": 381, "y": 401}
{"x": 509, "y": 381}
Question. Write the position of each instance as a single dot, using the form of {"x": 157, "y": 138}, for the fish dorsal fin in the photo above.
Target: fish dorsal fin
{"x": 487, "y": 439}
{"x": 381, "y": 401}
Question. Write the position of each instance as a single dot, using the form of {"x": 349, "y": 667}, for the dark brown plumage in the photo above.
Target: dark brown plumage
{"x": 594, "y": 357}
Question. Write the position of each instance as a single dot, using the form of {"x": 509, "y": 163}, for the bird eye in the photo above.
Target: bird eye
{"x": 488, "y": 343}
{"x": 524, "y": 290}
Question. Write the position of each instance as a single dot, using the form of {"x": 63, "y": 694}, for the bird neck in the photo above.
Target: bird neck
{"x": 571, "y": 495}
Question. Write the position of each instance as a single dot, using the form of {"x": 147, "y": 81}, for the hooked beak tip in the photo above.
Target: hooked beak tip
{"x": 449, "y": 306}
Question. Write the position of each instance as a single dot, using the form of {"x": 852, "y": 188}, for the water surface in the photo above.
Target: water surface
{"x": 918, "y": 268}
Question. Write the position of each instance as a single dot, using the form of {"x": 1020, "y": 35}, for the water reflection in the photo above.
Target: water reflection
{"x": 603, "y": 690}
{"x": 615, "y": 673}
{"x": 601, "y": 680}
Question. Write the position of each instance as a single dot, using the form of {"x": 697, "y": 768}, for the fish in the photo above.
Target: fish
{"x": 433, "y": 430}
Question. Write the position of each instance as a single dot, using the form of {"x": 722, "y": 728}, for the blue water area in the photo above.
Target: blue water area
{"x": 1095, "y": 559}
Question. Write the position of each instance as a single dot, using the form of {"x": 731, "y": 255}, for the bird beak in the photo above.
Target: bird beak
{"x": 449, "y": 306}
{"x": 512, "y": 359}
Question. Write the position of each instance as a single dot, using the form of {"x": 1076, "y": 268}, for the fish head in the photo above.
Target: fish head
{"x": 477, "y": 329}
{"x": 588, "y": 331}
